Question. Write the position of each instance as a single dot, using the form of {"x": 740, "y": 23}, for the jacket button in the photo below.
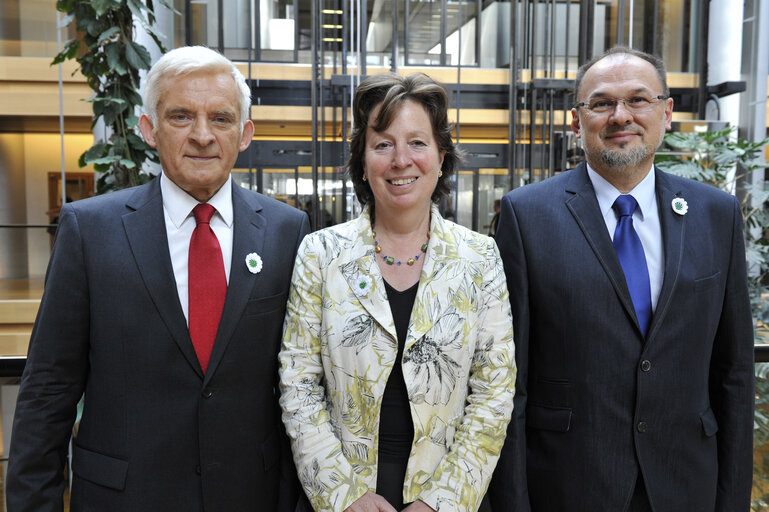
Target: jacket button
{"x": 197, "y": 470}
{"x": 642, "y": 426}
{"x": 208, "y": 393}
{"x": 646, "y": 365}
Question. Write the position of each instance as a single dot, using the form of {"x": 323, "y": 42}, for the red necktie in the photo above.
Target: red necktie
{"x": 207, "y": 284}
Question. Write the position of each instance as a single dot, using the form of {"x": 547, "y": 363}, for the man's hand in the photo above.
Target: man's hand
{"x": 419, "y": 506}
{"x": 371, "y": 502}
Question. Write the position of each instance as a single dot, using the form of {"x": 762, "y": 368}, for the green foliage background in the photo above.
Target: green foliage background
{"x": 111, "y": 60}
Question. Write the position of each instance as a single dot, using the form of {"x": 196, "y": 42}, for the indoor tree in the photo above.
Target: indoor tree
{"x": 111, "y": 60}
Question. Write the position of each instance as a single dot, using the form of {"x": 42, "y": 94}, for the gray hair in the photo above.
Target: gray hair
{"x": 192, "y": 59}
{"x": 656, "y": 62}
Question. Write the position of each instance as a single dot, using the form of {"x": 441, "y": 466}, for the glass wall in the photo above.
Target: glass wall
{"x": 202, "y": 21}
{"x": 432, "y": 34}
{"x": 335, "y": 194}
{"x": 672, "y": 30}
{"x": 427, "y": 32}
{"x": 474, "y": 196}
{"x": 278, "y": 30}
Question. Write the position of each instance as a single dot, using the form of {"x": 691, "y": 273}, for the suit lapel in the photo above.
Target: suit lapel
{"x": 247, "y": 236}
{"x": 583, "y": 205}
{"x": 672, "y": 226}
{"x": 438, "y": 255}
{"x": 362, "y": 265}
{"x": 146, "y": 233}
{"x": 376, "y": 303}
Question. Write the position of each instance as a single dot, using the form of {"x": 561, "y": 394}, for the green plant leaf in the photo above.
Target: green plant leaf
{"x": 687, "y": 168}
{"x": 91, "y": 26}
{"x": 137, "y": 9}
{"x": 137, "y": 55}
{"x": 107, "y": 34}
{"x": 168, "y": 6}
{"x": 96, "y": 151}
{"x": 136, "y": 141}
{"x": 116, "y": 101}
{"x": 69, "y": 51}
{"x": 114, "y": 59}
{"x": 105, "y": 160}
{"x": 134, "y": 97}
{"x": 65, "y": 5}
{"x": 132, "y": 122}
{"x": 682, "y": 140}
{"x": 102, "y": 6}
{"x": 727, "y": 157}
{"x": 758, "y": 193}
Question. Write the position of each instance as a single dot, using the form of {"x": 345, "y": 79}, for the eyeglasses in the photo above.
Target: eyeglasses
{"x": 632, "y": 104}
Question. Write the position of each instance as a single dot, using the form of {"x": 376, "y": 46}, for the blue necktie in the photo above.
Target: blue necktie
{"x": 633, "y": 260}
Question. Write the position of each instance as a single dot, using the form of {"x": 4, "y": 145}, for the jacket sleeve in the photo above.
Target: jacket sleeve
{"x": 732, "y": 382}
{"x": 508, "y": 491}
{"x": 289, "y": 484}
{"x": 53, "y": 380}
{"x": 328, "y": 478}
{"x": 460, "y": 481}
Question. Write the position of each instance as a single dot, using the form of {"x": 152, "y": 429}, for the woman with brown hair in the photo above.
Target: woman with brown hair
{"x": 397, "y": 361}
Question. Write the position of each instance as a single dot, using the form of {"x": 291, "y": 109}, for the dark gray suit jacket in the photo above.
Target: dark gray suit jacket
{"x": 156, "y": 434}
{"x": 596, "y": 404}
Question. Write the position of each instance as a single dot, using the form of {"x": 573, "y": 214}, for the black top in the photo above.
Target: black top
{"x": 396, "y": 428}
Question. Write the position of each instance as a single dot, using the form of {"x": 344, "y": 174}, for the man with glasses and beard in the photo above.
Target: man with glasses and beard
{"x": 633, "y": 329}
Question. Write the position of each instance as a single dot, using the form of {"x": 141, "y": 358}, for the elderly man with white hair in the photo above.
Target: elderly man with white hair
{"x": 163, "y": 307}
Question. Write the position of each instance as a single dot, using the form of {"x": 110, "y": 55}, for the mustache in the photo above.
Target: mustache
{"x": 627, "y": 129}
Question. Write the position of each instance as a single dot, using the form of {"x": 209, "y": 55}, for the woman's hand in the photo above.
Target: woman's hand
{"x": 419, "y": 506}
{"x": 371, "y": 502}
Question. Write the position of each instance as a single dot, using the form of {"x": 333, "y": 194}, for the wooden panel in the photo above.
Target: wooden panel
{"x": 42, "y": 99}
{"x": 38, "y": 69}
{"x": 447, "y": 75}
{"x": 14, "y": 345}
{"x": 18, "y": 311}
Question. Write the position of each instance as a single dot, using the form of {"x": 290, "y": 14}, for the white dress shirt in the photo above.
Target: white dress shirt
{"x": 180, "y": 223}
{"x": 646, "y": 221}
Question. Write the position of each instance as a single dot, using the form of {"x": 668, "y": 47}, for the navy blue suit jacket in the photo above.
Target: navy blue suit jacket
{"x": 596, "y": 404}
{"x": 156, "y": 433}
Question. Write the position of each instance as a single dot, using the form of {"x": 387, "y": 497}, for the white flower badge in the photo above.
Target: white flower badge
{"x": 680, "y": 206}
{"x": 362, "y": 285}
{"x": 254, "y": 263}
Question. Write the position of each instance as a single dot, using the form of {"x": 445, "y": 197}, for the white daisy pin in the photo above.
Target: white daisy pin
{"x": 254, "y": 263}
{"x": 680, "y": 206}
{"x": 362, "y": 285}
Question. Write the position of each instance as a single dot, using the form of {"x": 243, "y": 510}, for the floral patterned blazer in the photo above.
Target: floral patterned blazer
{"x": 340, "y": 345}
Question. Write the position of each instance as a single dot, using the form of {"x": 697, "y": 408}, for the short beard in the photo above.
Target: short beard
{"x": 621, "y": 159}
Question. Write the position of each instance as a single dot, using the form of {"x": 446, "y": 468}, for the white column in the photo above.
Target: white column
{"x": 724, "y": 56}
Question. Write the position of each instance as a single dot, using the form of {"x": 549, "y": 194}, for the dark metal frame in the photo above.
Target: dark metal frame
{"x": 443, "y": 32}
{"x": 255, "y": 37}
{"x": 544, "y": 145}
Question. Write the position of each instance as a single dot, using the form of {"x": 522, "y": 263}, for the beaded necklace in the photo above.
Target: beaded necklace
{"x": 390, "y": 260}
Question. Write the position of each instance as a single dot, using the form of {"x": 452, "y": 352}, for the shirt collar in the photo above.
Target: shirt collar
{"x": 606, "y": 193}
{"x": 179, "y": 204}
